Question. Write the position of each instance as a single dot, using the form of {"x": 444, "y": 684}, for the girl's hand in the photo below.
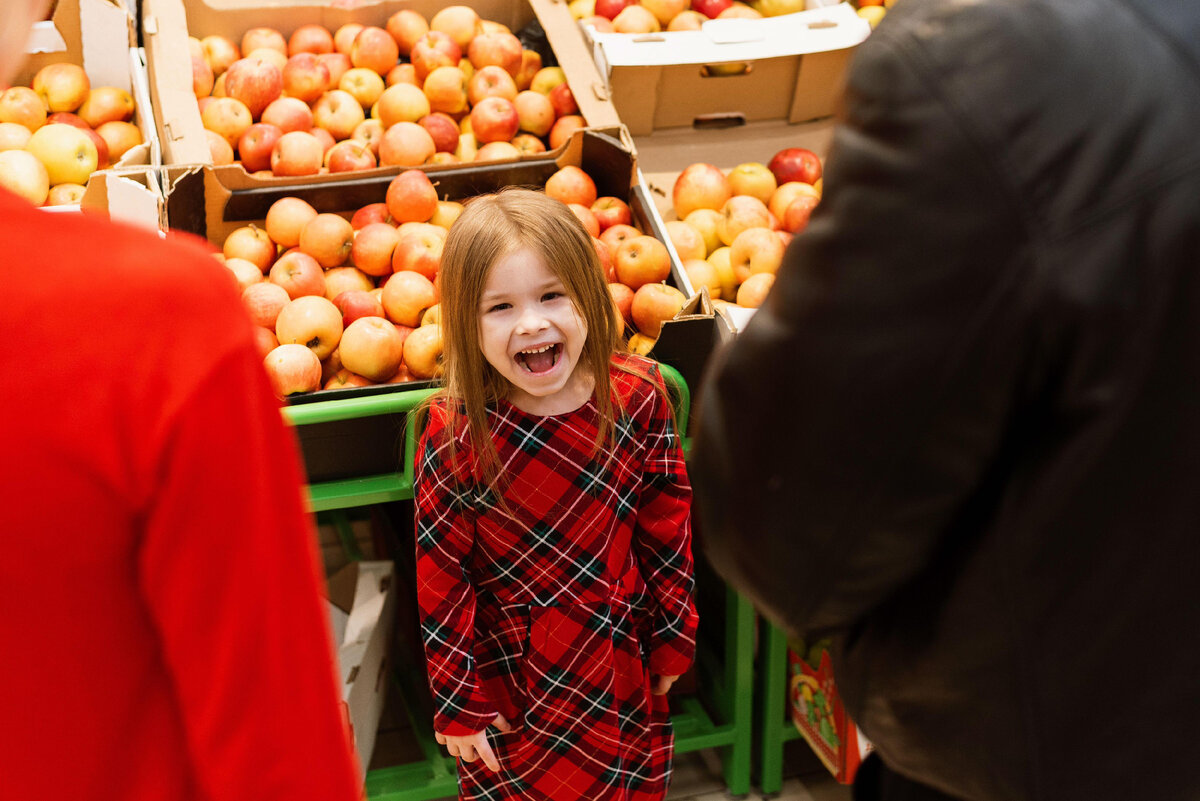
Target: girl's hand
{"x": 662, "y": 684}
{"x": 470, "y": 747}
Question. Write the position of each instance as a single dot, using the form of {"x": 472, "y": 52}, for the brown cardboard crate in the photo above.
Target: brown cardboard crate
{"x": 99, "y": 36}
{"x": 789, "y": 67}
{"x": 168, "y": 23}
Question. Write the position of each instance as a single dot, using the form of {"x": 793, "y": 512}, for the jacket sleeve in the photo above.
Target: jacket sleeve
{"x": 662, "y": 540}
{"x": 445, "y": 535}
{"x": 228, "y": 568}
{"x": 845, "y": 432}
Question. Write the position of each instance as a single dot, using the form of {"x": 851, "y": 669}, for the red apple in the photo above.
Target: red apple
{"x": 120, "y": 136}
{"x": 699, "y": 186}
{"x": 609, "y": 9}
{"x": 587, "y": 218}
{"x": 328, "y": 238}
{"x": 337, "y": 112}
{"x": 461, "y": 23}
{"x": 264, "y": 301}
{"x": 411, "y": 197}
{"x": 535, "y": 112}
{"x": 405, "y": 297}
{"x": 219, "y": 150}
{"x": 443, "y": 129}
{"x": 256, "y": 145}
{"x": 607, "y": 259}
{"x": 370, "y": 213}
{"x": 312, "y": 321}
{"x": 494, "y": 120}
{"x": 373, "y": 247}
{"x": 739, "y": 213}
{"x": 615, "y": 235}
{"x": 490, "y": 81}
{"x": 570, "y": 184}
{"x": 610, "y": 211}
{"x": 349, "y": 155}
{"x": 264, "y": 340}
{"x": 288, "y": 114}
{"x": 711, "y": 8}
{"x": 406, "y": 144}
{"x": 227, "y": 117}
{"x": 755, "y": 250}
{"x": 293, "y": 369}
{"x": 375, "y": 49}
{"x": 219, "y": 52}
{"x": 343, "y": 37}
{"x": 531, "y": 62}
{"x": 446, "y": 89}
{"x": 263, "y": 37}
{"x": 642, "y": 260}
{"x": 346, "y": 279}
{"x": 423, "y": 352}
{"x": 434, "y": 49}
{"x": 338, "y": 65}
{"x": 105, "y": 104}
{"x": 299, "y": 274}
{"x": 255, "y": 82}
{"x": 564, "y": 128}
{"x": 754, "y": 289}
{"x": 370, "y": 133}
{"x": 407, "y": 27}
{"x": 420, "y": 251}
{"x": 203, "y": 79}
{"x": 372, "y": 348}
{"x": 344, "y": 379}
{"x": 636, "y": 19}
{"x": 795, "y": 164}
{"x": 285, "y": 219}
{"x": 563, "y": 101}
{"x": 356, "y": 304}
{"x": 310, "y": 38}
{"x": 297, "y": 153}
{"x": 496, "y": 49}
{"x": 623, "y": 299}
{"x": 252, "y": 244}
{"x": 795, "y": 218}
{"x": 654, "y": 304}
{"x": 305, "y": 77}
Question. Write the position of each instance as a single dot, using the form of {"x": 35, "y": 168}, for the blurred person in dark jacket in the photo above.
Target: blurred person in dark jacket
{"x": 962, "y": 435}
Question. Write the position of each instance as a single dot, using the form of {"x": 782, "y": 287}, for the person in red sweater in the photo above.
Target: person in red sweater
{"x": 162, "y": 628}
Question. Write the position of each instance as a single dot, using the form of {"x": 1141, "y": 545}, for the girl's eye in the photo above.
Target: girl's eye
{"x": 495, "y": 307}
{"x": 551, "y": 296}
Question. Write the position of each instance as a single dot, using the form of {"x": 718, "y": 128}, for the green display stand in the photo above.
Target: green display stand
{"x": 720, "y": 716}
{"x": 774, "y": 724}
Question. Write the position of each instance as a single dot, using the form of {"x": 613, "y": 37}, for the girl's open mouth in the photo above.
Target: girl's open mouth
{"x": 539, "y": 360}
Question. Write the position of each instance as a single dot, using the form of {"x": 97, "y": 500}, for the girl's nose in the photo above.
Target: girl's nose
{"x": 531, "y": 320}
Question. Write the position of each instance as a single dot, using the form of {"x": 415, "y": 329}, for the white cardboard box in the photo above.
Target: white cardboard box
{"x": 362, "y": 609}
{"x": 789, "y": 67}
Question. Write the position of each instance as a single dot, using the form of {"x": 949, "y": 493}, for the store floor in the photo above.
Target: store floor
{"x": 698, "y": 778}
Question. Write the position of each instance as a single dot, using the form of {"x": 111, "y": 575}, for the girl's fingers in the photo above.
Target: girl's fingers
{"x": 441, "y": 738}
{"x": 489, "y": 757}
{"x": 501, "y": 724}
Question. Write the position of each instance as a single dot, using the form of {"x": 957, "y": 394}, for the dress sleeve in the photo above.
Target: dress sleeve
{"x": 228, "y": 570}
{"x": 662, "y": 539}
{"x": 445, "y": 535}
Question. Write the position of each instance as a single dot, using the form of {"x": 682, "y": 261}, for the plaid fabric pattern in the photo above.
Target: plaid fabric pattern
{"x": 556, "y": 606}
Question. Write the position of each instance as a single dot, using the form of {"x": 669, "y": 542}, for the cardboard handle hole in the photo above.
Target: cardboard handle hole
{"x": 719, "y": 120}
{"x": 818, "y": 24}
{"x": 727, "y": 70}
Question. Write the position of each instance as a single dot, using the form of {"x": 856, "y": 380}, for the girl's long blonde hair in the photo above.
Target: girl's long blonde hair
{"x": 489, "y": 228}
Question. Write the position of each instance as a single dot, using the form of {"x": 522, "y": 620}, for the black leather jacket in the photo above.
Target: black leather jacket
{"x": 963, "y": 433}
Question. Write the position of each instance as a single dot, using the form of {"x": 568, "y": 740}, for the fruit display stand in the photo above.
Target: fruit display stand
{"x": 719, "y": 717}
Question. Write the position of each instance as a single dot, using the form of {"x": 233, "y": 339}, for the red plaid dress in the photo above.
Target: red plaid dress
{"x": 557, "y": 607}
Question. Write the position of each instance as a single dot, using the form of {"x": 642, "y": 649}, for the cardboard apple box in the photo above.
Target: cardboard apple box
{"x": 362, "y": 608}
{"x": 167, "y": 24}
{"x": 100, "y": 36}
{"x": 789, "y": 67}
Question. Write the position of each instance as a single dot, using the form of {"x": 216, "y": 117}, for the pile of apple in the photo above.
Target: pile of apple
{"x": 346, "y": 302}
{"x": 454, "y": 88}
{"x": 58, "y": 131}
{"x": 731, "y": 229}
{"x": 650, "y": 16}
